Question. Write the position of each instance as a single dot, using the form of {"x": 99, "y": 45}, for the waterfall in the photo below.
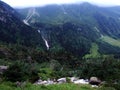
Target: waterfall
{"x": 46, "y": 42}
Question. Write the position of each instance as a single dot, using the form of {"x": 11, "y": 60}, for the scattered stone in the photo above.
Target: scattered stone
{"x": 94, "y": 81}
{"x": 45, "y": 82}
{"x": 18, "y": 84}
{"x": 94, "y": 86}
{"x": 72, "y": 79}
{"x": 81, "y": 81}
{"x": 61, "y": 80}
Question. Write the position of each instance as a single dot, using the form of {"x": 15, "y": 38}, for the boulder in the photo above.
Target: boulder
{"x": 61, "y": 80}
{"x": 94, "y": 81}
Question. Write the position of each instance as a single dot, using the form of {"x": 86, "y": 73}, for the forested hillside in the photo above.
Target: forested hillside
{"x": 56, "y": 41}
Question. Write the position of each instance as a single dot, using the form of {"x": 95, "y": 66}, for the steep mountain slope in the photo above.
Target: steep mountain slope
{"x": 84, "y": 13}
{"x": 77, "y": 27}
{"x": 56, "y": 14}
{"x": 13, "y": 30}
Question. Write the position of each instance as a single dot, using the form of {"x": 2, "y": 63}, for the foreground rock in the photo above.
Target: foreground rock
{"x": 72, "y": 79}
{"x": 3, "y": 68}
{"x": 62, "y": 80}
{"x": 45, "y": 82}
{"x": 81, "y": 81}
{"x": 94, "y": 81}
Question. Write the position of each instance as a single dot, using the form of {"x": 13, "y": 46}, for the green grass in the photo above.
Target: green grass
{"x": 93, "y": 51}
{"x": 8, "y": 86}
{"x": 67, "y": 86}
{"x": 111, "y": 41}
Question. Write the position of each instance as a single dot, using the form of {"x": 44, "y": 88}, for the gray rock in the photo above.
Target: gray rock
{"x": 94, "y": 81}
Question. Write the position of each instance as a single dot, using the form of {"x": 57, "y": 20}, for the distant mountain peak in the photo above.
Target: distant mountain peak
{"x": 87, "y": 4}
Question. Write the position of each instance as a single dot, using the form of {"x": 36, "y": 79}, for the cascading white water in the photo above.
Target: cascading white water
{"x": 46, "y": 42}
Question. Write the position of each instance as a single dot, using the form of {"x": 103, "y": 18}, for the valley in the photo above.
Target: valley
{"x": 57, "y": 41}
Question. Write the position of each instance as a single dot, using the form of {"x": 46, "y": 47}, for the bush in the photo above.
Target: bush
{"x": 106, "y": 88}
{"x": 14, "y": 73}
{"x": 114, "y": 85}
{"x": 105, "y": 69}
{"x": 45, "y": 73}
{"x": 20, "y": 72}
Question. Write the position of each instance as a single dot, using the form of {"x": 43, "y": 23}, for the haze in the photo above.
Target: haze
{"x": 32, "y": 3}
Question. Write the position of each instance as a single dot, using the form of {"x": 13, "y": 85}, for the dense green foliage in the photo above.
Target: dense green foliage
{"x": 21, "y": 72}
{"x": 31, "y": 64}
{"x": 106, "y": 69}
{"x": 75, "y": 27}
{"x": 13, "y": 30}
{"x": 76, "y": 35}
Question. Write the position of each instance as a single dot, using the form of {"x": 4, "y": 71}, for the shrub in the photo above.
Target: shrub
{"x": 20, "y": 72}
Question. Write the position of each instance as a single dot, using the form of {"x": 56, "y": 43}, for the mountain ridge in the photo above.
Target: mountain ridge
{"x": 73, "y": 28}
{"x": 94, "y": 24}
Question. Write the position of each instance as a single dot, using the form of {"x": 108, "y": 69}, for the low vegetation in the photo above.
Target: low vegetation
{"x": 111, "y": 41}
{"x": 10, "y": 86}
{"x": 30, "y": 64}
{"x": 93, "y": 52}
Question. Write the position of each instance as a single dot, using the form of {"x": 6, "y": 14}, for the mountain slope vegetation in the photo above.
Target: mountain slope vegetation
{"x": 75, "y": 27}
{"x": 59, "y": 41}
{"x": 13, "y": 30}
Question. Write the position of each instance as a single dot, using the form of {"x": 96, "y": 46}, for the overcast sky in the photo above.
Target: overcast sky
{"x": 27, "y": 3}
